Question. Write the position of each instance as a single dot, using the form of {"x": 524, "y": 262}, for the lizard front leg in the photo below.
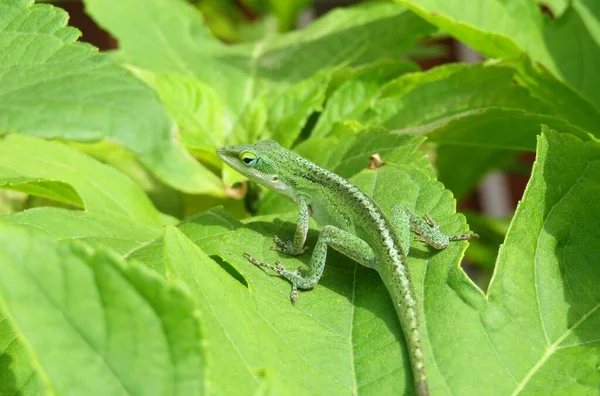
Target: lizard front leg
{"x": 426, "y": 228}
{"x": 296, "y": 247}
{"x": 342, "y": 241}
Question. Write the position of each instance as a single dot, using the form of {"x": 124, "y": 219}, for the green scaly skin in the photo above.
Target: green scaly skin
{"x": 351, "y": 224}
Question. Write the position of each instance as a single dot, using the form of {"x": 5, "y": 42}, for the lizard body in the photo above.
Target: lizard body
{"x": 352, "y": 223}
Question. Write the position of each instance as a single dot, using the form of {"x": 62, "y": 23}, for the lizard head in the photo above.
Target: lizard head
{"x": 265, "y": 162}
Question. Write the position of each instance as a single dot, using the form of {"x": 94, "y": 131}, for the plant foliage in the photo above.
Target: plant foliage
{"x": 103, "y": 293}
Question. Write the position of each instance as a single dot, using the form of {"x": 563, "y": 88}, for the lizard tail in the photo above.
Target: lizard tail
{"x": 422, "y": 388}
{"x": 397, "y": 280}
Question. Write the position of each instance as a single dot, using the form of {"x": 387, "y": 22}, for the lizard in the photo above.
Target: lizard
{"x": 351, "y": 223}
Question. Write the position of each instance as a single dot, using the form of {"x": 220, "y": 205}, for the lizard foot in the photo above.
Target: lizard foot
{"x": 281, "y": 271}
{"x": 286, "y": 247}
{"x": 278, "y": 267}
{"x": 463, "y": 237}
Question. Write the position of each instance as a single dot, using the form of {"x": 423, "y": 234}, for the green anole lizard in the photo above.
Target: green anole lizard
{"x": 351, "y": 223}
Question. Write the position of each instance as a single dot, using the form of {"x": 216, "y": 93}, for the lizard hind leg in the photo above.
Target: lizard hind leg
{"x": 330, "y": 236}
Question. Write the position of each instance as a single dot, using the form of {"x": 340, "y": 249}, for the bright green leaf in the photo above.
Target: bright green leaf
{"x": 534, "y": 329}
{"x": 51, "y": 189}
{"x": 196, "y": 108}
{"x": 96, "y": 325}
{"x": 105, "y": 229}
{"x": 52, "y": 86}
{"x": 206, "y": 229}
{"x": 100, "y": 187}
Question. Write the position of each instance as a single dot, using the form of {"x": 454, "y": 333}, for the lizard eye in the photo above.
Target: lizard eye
{"x": 248, "y": 158}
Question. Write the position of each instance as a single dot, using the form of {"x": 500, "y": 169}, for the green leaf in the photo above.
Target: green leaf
{"x": 544, "y": 294}
{"x": 100, "y": 187}
{"x": 424, "y": 101}
{"x": 534, "y": 329}
{"x": 281, "y": 331}
{"x": 100, "y": 229}
{"x": 197, "y": 109}
{"x": 123, "y": 329}
{"x": 16, "y": 369}
{"x": 356, "y": 94}
{"x": 565, "y": 102}
{"x": 54, "y": 87}
{"x": 505, "y": 129}
{"x": 205, "y": 229}
{"x": 454, "y": 103}
{"x": 51, "y": 189}
{"x": 288, "y": 113}
{"x": 505, "y": 29}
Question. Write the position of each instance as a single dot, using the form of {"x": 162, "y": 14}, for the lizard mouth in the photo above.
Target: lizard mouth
{"x": 226, "y": 154}
{"x": 230, "y": 156}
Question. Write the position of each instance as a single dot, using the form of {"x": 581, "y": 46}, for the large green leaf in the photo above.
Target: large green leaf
{"x": 93, "y": 324}
{"x": 568, "y": 46}
{"x": 54, "y": 87}
{"x": 534, "y": 330}
{"x": 544, "y": 304}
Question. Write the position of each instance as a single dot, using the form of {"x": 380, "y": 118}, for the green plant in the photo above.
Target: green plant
{"x": 103, "y": 293}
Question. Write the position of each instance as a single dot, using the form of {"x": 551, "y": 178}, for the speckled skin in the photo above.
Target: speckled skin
{"x": 351, "y": 223}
